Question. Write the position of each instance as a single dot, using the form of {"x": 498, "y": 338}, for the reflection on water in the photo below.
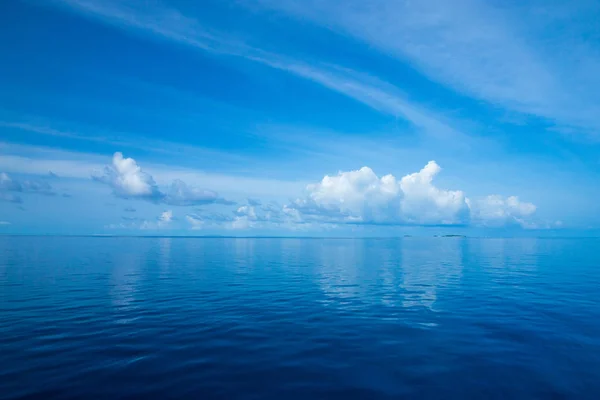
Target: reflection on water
{"x": 125, "y": 277}
{"x": 400, "y": 274}
{"x": 428, "y": 270}
{"x": 339, "y": 272}
{"x": 299, "y": 318}
{"x": 164, "y": 256}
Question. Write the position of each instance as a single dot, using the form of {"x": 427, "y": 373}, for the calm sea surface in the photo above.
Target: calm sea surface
{"x": 445, "y": 318}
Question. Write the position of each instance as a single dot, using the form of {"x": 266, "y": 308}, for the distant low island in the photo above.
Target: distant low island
{"x": 459, "y": 236}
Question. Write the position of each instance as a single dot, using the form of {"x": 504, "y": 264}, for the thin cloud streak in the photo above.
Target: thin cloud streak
{"x": 172, "y": 25}
{"x": 498, "y": 54}
{"x": 35, "y": 160}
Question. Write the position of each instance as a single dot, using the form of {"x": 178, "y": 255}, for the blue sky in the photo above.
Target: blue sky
{"x": 289, "y": 117}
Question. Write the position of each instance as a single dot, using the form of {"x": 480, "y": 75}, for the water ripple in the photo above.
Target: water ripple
{"x": 292, "y": 318}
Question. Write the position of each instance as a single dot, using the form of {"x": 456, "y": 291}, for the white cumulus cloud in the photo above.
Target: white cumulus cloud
{"x": 354, "y": 196}
{"x": 361, "y": 197}
{"x": 128, "y": 180}
{"x": 245, "y": 217}
{"x": 424, "y": 203}
{"x": 499, "y": 210}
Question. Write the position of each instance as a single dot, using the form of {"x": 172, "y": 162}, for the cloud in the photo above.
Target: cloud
{"x": 202, "y": 220}
{"x": 358, "y": 197}
{"x": 5, "y": 223}
{"x": 10, "y": 198}
{"x": 423, "y": 203}
{"x": 129, "y": 181}
{"x": 170, "y": 24}
{"x": 80, "y": 165}
{"x": 129, "y": 209}
{"x": 254, "y": 202}
{"x": 361, "y": 197}
{"x": 241, "y": 223}
{"x": 10, "y": 186}
{"x": 303, "y": 211}
{"x": 180, "y": 194}
{"x": 513, "y": 63}
{"x": 195, "y": 221}
{"x": 355, "y": 196}
{"x": 163, "y": 221}
{"x": 272, "y": 211}
{"x": 7, "y": 184}
{"x": 245, "y": 217}
{"x": 498, "y": 210}
{"x": 246, "y": 211}
{"x": 165, "y": 218}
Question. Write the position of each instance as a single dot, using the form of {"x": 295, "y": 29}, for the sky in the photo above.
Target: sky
{"x": 300, "y": 117}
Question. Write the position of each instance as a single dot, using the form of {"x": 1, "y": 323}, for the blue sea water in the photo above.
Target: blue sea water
{"x": 200, "y": 318}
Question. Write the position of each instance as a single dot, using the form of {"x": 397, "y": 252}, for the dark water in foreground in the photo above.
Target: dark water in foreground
{"x": 299, "y": 318}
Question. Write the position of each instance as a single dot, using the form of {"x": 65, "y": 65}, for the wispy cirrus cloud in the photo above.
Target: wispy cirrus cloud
{"x": 121, "y": 140}
{"x": 38, "y": 160}
{"x": 532, "y": 57}
{"x": 170, "y": 24}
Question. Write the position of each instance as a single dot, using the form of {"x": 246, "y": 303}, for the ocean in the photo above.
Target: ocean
{"x": 264, "y": 318}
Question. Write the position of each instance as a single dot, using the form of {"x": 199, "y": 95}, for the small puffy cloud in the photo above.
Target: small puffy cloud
{"x": 246, "y": 211}
{"x": 166, "y": 217}
{"x": 423, "y": 203}
{"x": 245, "y": 217}
{"x": 195, "y": 221}
{"x": 498, "y": 210}
{"x": 128, "y": 180}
